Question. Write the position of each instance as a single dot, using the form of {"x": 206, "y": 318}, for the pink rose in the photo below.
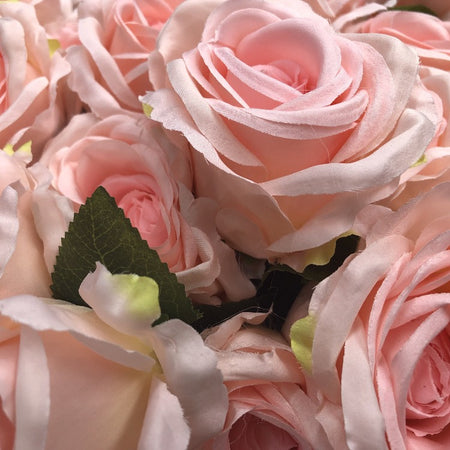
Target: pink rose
{"x": 71, "y": 379}
{"x": 110, "y": 66}
{"x": 294, "y": 128}
{"x": 32, "y": 82}
{"x": 427, "y": 34}
{"x": 32, "y": 220}
{"x": 124, "y": 156}
{"x": 381, "y": 347}
{"x": 429, "y": 37}
{"x": 59, "y": 18}
{"x": 268, "y": 408}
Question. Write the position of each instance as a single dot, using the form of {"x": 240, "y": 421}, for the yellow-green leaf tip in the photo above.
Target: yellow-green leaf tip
{"x": 8, "y": 149}
{"x": 142, "y": 294}
{"x": 24, "y": 148}
{"x": 302, "y": 335}
{"x": 420, "y": 161}
{"x": 147, "y": 109}
{"x": 320, "y": 256}
{"x": 53, "y": 46}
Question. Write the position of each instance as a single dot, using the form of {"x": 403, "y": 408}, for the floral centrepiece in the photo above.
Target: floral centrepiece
{"x": 223, "y": 224}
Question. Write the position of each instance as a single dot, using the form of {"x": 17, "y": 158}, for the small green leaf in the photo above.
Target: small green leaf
{"x": 101, "y": 232}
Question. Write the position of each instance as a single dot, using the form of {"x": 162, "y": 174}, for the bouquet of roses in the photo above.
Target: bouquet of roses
{"x": 224, "y": 224}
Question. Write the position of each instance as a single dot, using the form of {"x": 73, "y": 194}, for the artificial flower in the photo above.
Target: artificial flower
{"x": 70, "y": 377}
{"x": 384, "y": 365}
{"x": 282, "y": 111}
{"x": 110, "y": 65}
{"x": 268, "y": 407}
{"x": 124, "y": 155}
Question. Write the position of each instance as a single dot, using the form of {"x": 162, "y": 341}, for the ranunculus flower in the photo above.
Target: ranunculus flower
{"x": 110, "y": 66}
{"x": 123, "y": 155}
{"x": 71, "y": 378}
{"x": 381, "y": 332}
{"x": 294, "y": 128}
{"x": 32, "y": 220}
{"x": 32, "y": 83}
{"x": 268, "y": 408}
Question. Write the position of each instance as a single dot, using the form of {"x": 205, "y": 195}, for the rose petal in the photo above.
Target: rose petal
{"x": 189, "y": 366}
{"x": 164, "y": 424}
{"x": 32, "y": 392}
{"x": 9, "y": 225}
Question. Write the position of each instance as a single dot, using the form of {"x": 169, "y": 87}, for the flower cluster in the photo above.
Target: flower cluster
{"x": 224, "y": 224}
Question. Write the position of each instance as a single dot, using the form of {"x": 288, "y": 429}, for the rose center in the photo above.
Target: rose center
{"x": 141, "y": 204}
{"x": 253, "y": 432}
{"x": 429, "y": 392}
{"x": 288, "y": 72}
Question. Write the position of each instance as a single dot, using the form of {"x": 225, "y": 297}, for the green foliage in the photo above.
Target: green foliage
{"x": 101, "y": 232}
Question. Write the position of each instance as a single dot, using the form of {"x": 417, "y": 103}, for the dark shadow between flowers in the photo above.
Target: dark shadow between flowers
{"x": 277, "y": 290}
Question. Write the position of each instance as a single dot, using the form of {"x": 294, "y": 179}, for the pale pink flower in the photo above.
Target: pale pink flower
{"x": 126, "y": 157}
{"x": 294, "y": 128}
{"x": 33, "y": 217}
{"x": 70, "y": 378}
{"x": 110, "y": 66}
{"x": 381, "y": 347}
{"x": 268, "y": 407}
{"x": 32, "y": 83}
{"x": 59, "y": 18}
{"x": 428, "y": 36}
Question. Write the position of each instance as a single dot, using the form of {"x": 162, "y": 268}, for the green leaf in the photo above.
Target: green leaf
{"x": 414, "y": 8}
{"x": 101, "y": 232}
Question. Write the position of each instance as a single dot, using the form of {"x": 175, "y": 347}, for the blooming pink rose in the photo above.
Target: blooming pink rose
{"x": 59, "y": 18}
{"x": 294, "y": 128}
{"x": 124, "y": 156}
{"x": 268, "y": 408}
{"x": 381, "y": 347}
{"x": 110, "y": 66}
{"x": 427, "y": 34}
{"x": 69, "y": 379}
{"x": 32, "y": 220}
{"x": 32, "y": 82}
{"x": 429, "y": 37}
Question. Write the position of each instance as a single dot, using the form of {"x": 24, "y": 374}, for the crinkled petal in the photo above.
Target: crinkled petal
{"x": 190, "y": 367}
